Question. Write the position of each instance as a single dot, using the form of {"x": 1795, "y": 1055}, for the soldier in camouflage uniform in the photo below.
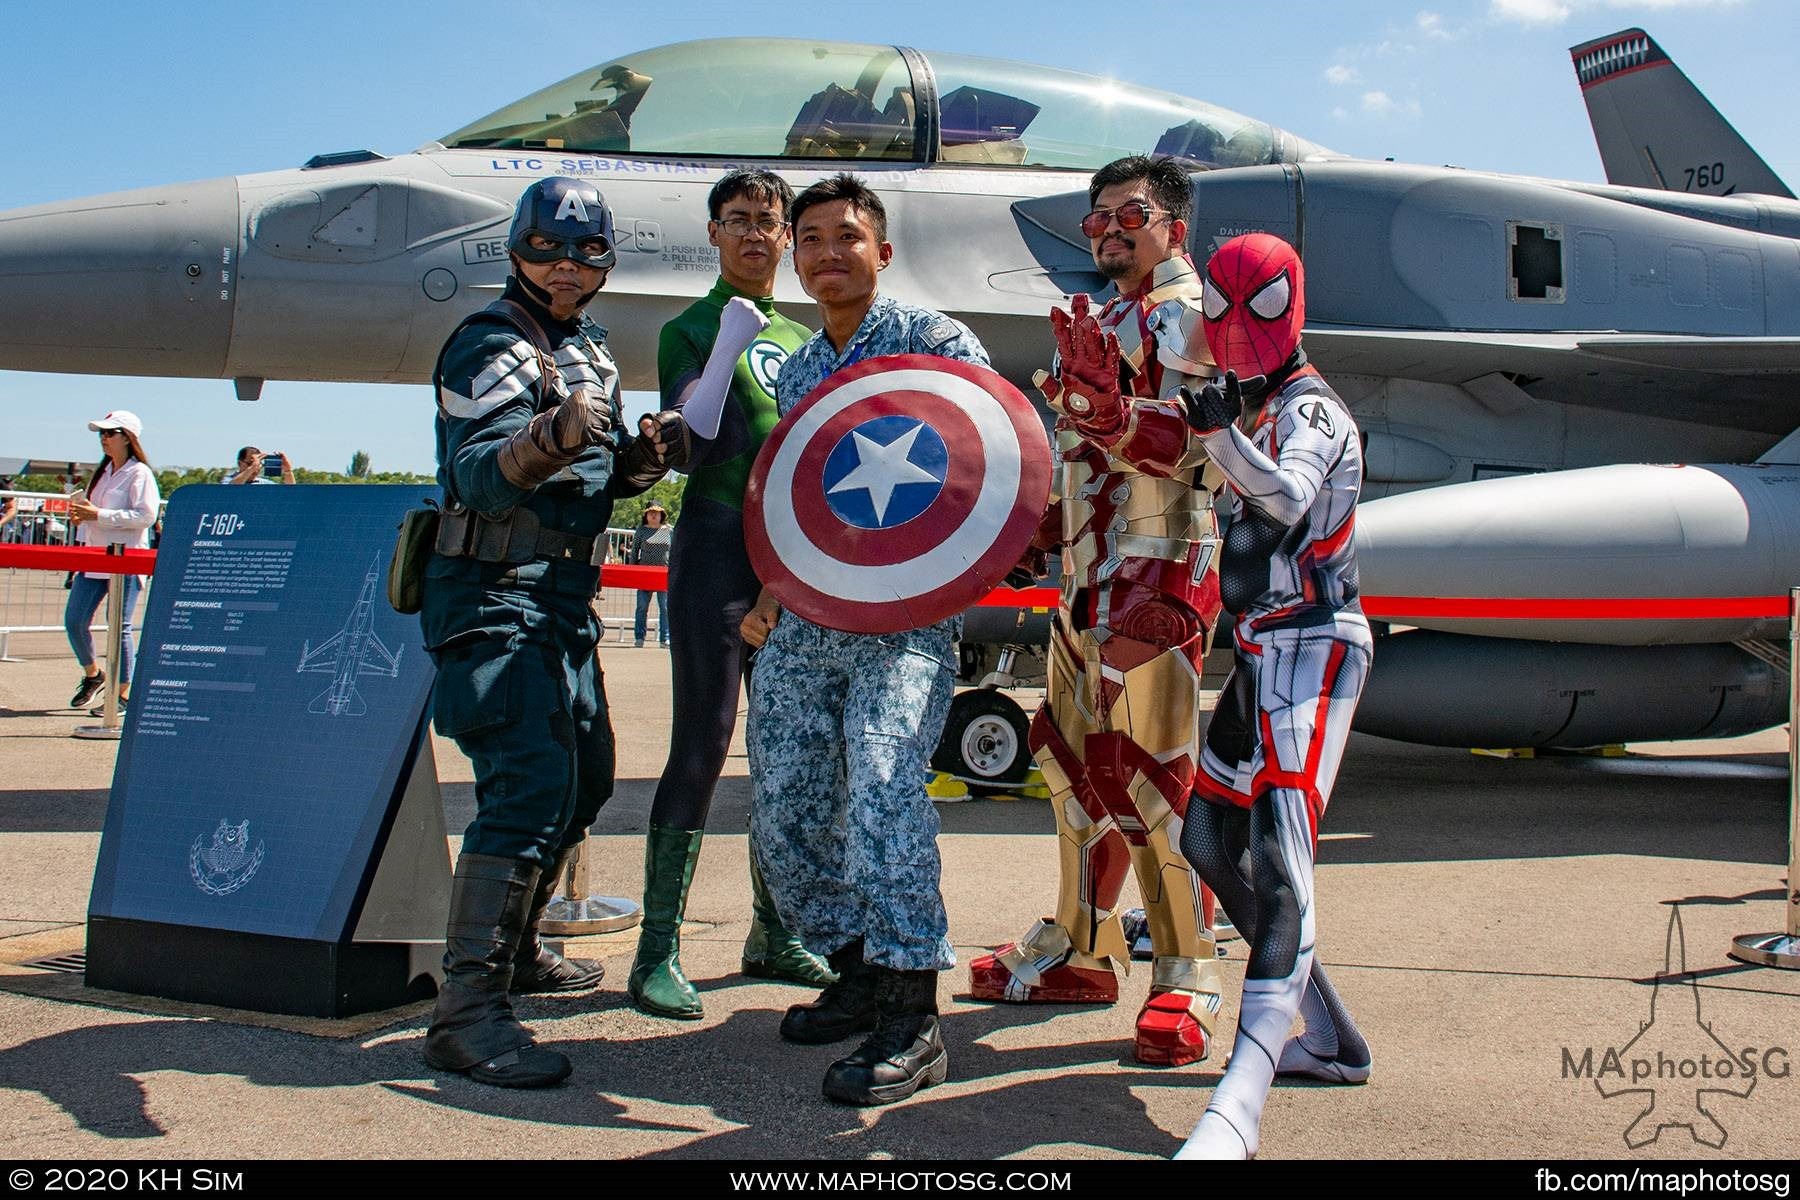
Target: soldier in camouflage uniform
{"x": 842, "y": 724}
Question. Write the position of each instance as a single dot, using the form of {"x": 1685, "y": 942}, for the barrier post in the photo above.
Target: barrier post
{"x": 574, "y": 913}
{"x": 111, "y": 728}
{"x": 1783, "y": 949}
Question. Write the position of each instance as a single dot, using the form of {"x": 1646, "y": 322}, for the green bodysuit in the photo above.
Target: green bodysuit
{"x": 711, "y": 582}
{"x": 721, "y": 467}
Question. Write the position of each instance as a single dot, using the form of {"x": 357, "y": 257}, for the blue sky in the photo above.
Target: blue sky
{"x": 132, "y": 95}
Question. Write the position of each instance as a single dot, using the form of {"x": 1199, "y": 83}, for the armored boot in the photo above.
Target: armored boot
{"x": 846, "y": 1006}
{"x": 536, "y": 967}
{"x": 905, "y": 1053}
{"x": 657, "y": 985}
{"x": 1175, "y": 1026}
{"x": 1044, "y": 967}
{"x": 772, "y": 951}
{"x": 473, "y": 1029}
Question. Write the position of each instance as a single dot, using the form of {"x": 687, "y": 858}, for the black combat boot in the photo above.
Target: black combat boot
{"x": 905, "y": 1053}
{"x": 473, "y": 1029}
{"x": 843, "y": 1008}
{"x": 538, "y": 968}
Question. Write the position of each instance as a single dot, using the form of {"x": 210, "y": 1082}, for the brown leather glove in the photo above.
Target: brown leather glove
{"x": 556, "y": 437}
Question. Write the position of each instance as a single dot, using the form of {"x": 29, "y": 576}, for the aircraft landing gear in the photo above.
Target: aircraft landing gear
{"x": 984, "y": 740}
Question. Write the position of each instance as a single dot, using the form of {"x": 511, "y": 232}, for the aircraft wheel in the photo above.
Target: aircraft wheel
{"x": 984, "y": 740}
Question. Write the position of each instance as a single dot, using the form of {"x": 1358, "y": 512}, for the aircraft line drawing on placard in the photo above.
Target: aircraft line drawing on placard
{"x": 352, "y": 651}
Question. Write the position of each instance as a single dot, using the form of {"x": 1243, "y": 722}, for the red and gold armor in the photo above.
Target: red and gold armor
{"x": 1117, "y": 738}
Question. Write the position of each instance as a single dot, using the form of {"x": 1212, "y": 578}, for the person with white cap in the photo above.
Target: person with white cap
{"x": 118, "y": 508}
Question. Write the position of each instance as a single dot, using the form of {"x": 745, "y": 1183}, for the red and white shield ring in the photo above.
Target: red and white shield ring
{"x": 899, "y": 492}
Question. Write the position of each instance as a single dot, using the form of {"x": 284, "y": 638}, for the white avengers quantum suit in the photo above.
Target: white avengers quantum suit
{"x": 1118, "y": 736}
{"x": 1302, "y": 653}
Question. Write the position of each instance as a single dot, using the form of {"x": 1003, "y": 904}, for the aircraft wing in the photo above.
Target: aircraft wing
{"x": 309, "y": 657}
{"x": 379, "y": 660}
{"x": 1750, "y": 380}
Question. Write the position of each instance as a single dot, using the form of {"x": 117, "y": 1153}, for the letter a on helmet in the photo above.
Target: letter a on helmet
{"x": 570, "y": 212}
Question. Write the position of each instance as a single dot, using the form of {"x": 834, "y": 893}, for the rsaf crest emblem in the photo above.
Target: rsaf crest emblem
{"x": 898, "y": 493}
{"x": 225, "y": 863}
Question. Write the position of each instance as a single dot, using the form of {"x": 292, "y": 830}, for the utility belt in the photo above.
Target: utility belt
{"x": 518, "y": 536}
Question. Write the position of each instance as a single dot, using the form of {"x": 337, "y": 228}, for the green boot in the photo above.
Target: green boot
{"x": 772, "y": 951}
{"x": 657, "y": 985}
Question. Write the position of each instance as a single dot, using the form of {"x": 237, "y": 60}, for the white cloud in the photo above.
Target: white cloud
{"x": 1554, "y": 12}
{"x": 1380, "y": 104}
{"x": 1531, "y": 12}
{"x": 1431, "y": 25}
{"x": 1341, "y": 74}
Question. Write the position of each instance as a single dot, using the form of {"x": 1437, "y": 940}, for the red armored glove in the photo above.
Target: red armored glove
{"x": 1090, "y": 370}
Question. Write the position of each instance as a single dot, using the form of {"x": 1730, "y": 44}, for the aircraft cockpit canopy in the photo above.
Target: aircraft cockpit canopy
{"x": 781, "y": 98}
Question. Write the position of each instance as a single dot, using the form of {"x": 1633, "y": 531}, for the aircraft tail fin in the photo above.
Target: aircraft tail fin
{"x": 1655, "y": 129}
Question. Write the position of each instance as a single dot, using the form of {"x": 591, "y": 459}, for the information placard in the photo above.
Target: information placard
{"x": 278, "y": 708}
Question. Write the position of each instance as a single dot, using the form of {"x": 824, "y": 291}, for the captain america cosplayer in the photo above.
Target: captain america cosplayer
{"x": 1290, "y": 453}
{"x": 842, "y": 724}
{"x": 716, "y": 365}
{"x": 531, "y": 455}
{"x": 1117, "y": 737}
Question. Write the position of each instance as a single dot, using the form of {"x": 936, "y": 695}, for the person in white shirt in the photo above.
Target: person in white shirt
{"x": 119, "y": 508}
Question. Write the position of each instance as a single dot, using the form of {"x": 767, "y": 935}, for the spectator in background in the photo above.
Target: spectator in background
{"x": 118, "y": 508}
{"x": 250, "y": 466}
{"x": 9, "y": 508}
{"x": 650, "y": 548}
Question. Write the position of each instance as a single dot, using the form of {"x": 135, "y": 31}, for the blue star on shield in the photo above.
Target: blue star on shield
{"x": 885, "y": 472}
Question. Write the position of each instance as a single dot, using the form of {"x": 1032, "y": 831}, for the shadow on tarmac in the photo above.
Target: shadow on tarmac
{"x": 738, "y": 1072}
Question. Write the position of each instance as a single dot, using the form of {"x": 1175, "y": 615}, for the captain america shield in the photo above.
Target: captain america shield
{"x": 899, "y": 492}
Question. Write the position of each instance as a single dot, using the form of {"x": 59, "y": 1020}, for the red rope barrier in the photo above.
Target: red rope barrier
{"x": 77, "y": 558}
{"x": 1384, "y": 608}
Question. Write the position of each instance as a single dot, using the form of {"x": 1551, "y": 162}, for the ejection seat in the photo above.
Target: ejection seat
{"x": 982, "y": 126}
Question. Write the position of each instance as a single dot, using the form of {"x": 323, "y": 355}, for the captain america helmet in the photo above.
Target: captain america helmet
{"x": 570, "y": 212}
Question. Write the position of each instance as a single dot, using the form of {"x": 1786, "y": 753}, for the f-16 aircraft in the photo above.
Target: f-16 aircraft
{"x": 354, "y": 650}
{"x": 1480, "y": 325}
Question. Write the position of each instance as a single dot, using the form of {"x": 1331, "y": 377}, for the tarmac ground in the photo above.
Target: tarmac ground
{"x": 1488, "y": 921}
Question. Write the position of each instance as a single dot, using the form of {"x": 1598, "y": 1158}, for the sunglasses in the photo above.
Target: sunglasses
{"x": 1133, "y": 214}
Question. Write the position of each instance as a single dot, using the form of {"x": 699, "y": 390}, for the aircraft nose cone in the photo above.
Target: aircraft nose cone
{"x": 137, "y": 283}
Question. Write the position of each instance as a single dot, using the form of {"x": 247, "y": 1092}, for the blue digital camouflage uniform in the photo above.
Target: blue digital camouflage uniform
{"x": 842, "y": 725}
{"x": 518, "y": 686}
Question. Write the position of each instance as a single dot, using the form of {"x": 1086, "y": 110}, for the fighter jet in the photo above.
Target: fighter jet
{"x": 356, "y": 266}
{"x": 1481, "y": 325}
{"x": 352, "y": 651}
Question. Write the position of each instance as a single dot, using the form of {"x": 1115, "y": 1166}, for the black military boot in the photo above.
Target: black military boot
{"x": 538, "y": 968}
{"x": 473, "y": 1029}
{"x": 905, "y": 1053}
{"x": 843, "y": 1008}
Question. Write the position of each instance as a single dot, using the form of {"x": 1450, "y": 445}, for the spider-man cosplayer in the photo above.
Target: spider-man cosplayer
{"x": 1302, "y": 654}
{"x": 1117, "y": 738}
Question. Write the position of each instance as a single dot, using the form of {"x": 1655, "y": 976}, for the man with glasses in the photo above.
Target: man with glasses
{"x": 716, "y": 364}
{"x": 1140, "y": 598}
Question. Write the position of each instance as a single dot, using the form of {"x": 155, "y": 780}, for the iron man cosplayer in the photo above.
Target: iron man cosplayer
{"x": 1117, "y": 737}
